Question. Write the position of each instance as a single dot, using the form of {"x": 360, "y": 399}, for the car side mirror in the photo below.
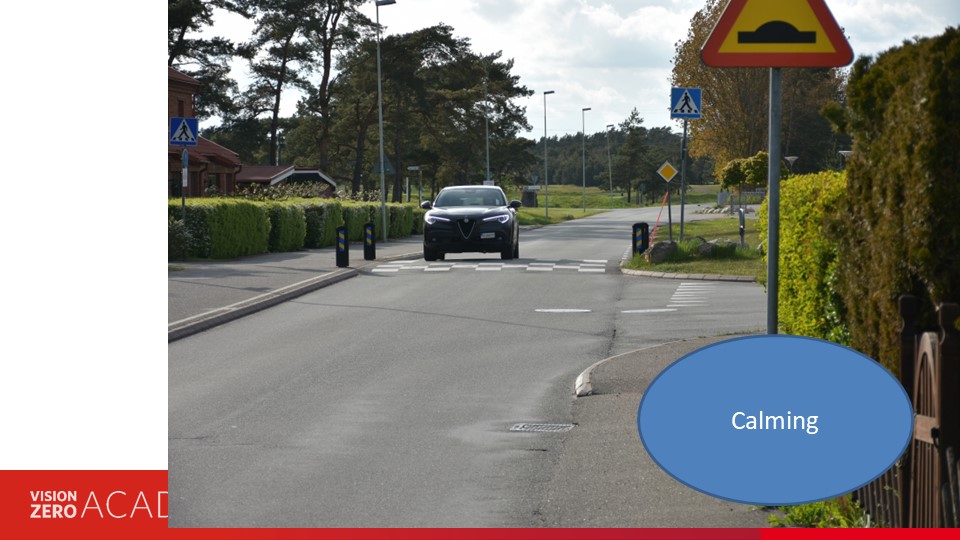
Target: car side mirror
{"x": 426, "y": 205}
{"x": 515, "y": 204}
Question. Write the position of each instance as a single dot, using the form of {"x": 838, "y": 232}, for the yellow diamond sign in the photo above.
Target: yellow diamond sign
{"x": 667, "y": 171}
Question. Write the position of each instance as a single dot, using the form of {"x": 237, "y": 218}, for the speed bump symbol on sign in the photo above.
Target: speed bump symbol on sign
{"x": 785, "y": 33}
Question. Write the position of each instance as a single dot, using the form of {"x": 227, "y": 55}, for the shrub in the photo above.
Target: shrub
{"x": 178, "y": 240}
{"x": 842, "y": 512}
{"x": 224, "y": 228}
{"x": 808, "y": 303}
{"x": 288, "y": 227}
{"x": 400, "y": 220}
{"x": 900, "y": 219}
{"x": 355, "y": 215}
{"x": 323, "y": 218}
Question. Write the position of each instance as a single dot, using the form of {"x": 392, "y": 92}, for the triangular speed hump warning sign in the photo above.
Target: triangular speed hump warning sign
{"x": 785, "y": 33}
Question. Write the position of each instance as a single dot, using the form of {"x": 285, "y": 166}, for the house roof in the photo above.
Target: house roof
{"x": 207, "y": 151}
{"x": 178, "y": 76}
{"x": 273, "y": 175}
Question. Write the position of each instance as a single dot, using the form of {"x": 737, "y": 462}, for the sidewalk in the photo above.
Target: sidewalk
{"x": 201, "y": 295}
{"x": 605, "y": 412}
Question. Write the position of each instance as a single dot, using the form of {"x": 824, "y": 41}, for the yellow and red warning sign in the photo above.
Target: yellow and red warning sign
{"x": 784, "y": 33}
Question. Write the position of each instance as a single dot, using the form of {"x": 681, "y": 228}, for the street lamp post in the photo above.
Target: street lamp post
{"x": 383, "y": 179}
{"x": 546, "y": 171}
{"x": 486, "y": 124}
{"x": 610, "y": 165}
{"x": 583, "y": 141}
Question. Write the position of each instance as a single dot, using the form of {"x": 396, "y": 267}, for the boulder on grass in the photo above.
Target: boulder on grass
{"x": 660, "y": 252}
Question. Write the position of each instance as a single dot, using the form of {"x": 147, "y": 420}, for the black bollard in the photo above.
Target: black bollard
{"x": 343, "y": 248}
{"x": 369, "y": 242}
{"x": 641, "y": 238}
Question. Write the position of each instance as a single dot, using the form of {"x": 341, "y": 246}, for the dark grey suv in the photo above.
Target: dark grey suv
{"x": 471, "y": 219}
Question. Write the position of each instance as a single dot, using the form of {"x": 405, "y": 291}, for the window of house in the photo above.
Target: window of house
{"x": 213, "y": 183}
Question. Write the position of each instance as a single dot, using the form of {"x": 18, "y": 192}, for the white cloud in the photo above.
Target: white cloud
{"x": 616, "y": 55}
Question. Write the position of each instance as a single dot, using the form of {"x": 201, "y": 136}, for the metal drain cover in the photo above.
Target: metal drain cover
{"x": 543, "y": 428}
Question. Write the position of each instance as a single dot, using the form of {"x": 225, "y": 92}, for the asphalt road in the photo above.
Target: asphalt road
{"x": 388, "y": 400}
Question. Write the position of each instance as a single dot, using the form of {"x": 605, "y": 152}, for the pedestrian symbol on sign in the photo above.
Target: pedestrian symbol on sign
{"x": 686, "y": 103}
{"x": 183, "y": 131}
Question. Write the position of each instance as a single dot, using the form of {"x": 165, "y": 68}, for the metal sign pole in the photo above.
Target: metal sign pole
{"x": 683, "y": 176}
{"x": 773, "y": 178}
{"x": 184, "y": 183}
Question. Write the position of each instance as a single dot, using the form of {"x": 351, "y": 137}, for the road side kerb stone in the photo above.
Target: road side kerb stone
{"x": 205, "y": 321}
{"x": 700, "y": 277}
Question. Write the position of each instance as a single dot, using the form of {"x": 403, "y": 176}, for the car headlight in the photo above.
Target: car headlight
{"x": 502, "y": 218}
{"x": 430, "y": 220}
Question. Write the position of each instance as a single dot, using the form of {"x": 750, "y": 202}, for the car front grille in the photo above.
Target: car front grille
{"x": 466, "y": 227}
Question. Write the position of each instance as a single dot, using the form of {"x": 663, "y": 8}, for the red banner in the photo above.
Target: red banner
{"x": 121, "y": 505}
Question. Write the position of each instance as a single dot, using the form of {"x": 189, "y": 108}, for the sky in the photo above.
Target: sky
{"x": 609, "y": 55}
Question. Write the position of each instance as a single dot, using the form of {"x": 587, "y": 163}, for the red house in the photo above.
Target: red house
{"x": 213, "y": 168}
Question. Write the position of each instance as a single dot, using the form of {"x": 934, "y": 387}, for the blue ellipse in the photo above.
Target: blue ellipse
{"x": 843, "y": 420}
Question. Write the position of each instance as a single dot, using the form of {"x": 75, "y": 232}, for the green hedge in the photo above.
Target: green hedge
{"x": 901, "y": 221}
{"x": 808, "y": 303}
{"x": 323, "y": 218}
{"x": 228, "y": 228}
{"x": 355, "y": 215}
{"x": 288, "y": 227}
{"x": 224, "y": 228}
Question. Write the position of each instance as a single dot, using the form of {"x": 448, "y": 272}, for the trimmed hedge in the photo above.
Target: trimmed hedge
{"x": 288, "y": 227}
{"x": 224, "y": 228}
{"x": 228, "y": 228}
{"x": 808, "y": 303}
{"x": 901, "y": 221}
{"x": 323, "y": 218}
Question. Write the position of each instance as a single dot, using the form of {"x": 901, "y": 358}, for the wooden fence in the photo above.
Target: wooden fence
{"x": 921, "y": 489}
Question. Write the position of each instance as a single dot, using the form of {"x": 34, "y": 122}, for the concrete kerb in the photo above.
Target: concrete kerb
{"x": 583, "y": 387}
{"x": 205, "y": 321}
{"x": 691, "y": 277}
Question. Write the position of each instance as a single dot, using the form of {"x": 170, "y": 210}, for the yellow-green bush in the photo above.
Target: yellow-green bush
{"x": 323, "y": 218}
{"x": 808, "y": 303}
{"x": 224, "y": 228}
{"x": 288, "y": 226}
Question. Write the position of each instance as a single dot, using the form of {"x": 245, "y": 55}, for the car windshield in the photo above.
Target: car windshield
{"x": 470, "y": 197}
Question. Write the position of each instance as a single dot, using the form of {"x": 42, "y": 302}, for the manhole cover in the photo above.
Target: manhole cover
{"x": 547, "y": 428}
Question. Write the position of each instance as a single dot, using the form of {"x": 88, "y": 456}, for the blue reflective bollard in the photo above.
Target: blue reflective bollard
{"x": 369, "y": 242}
{"x": 343, "y": 248}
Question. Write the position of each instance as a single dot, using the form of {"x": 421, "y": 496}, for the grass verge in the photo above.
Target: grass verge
{"x": 732, "y": 261}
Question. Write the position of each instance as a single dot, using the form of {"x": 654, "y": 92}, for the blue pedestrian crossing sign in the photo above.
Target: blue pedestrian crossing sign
{"x": 686, "y": 103}
{"x": 184, "y": 131}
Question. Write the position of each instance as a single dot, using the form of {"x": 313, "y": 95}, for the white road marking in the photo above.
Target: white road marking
{"x": 562, "y": 310}
{"x": 648, "y": 311}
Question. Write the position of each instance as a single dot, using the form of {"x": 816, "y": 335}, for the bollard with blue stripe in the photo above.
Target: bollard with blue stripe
{"x": 343, "y": 248}
{"x": 369, "y": 242}
{"x": 641, "y": 238}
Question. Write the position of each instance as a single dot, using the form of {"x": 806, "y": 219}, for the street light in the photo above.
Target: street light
{"x": 790, "y": 160}
{"x": 583, "y": 140}
{"x": 383, "y": 180}
{"x": 546, "y": 171}
{"x": 610, "y": 165}
{"x": 845, "y": 154}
